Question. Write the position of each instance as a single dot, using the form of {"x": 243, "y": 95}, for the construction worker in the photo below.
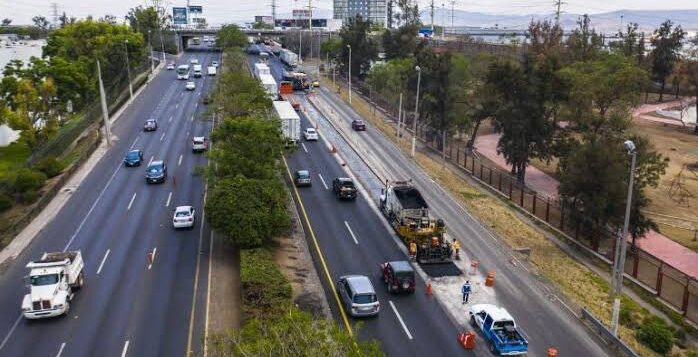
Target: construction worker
{"x": 413, "y": 250}
{"x": 466, "y": 291}
{"x": 456, "y": 248}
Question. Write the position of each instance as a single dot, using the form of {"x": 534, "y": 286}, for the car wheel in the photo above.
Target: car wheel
{"x": 491, "y": 347}
{"x": 472, "y": 321}
{"x": 67, "y": 308}
{"x": 81, "y": 280}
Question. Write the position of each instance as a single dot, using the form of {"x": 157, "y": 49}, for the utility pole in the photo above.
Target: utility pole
{"x": 273, "y": 12}
{"x": 150, "y": 49}
{"x": 128, "y": 69}
{"x": 390, "y": 14}
{"x": 399, "y": 117}
{"x": 443, "y": 22}
{"x": 349, "y": 47}
{"x": 105, "y": 111}
{"x": 432, "y": 17}
{"x": 453, "y": 4}
{"x": 416, "y": 111}
{"x": 558, "y": 3}
{"x": 310, "y": 27}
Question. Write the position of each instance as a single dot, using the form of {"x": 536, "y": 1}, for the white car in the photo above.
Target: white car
{"x": 310, "y": 134}
{"x": 170, "y": 66}
{"x": 190, "y": 86}
{"x": 199, "y": 143}
{"x": 184, "y": 217}
{"x": 214, "y": 64}
{"x": 194, "y": 61}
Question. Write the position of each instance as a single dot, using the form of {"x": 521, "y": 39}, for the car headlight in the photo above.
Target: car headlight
{"x": 59, "y": 306}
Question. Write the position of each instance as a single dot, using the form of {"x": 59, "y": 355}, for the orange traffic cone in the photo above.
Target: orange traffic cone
{"x": 552, "y": 352}
{"x": 429, "y": 291}
{"x": 490, "y": 279}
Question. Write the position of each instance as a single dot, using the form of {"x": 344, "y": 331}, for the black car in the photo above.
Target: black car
{"x": 150, "y": 125}
{"x": 358, "y": 125}
{"x": 156, "y": 172}
{"x": 302, "y": 178}
{"x": 344, "y": 188}
{"x": 133, "y": 158}
{"x": 398, "y": 276}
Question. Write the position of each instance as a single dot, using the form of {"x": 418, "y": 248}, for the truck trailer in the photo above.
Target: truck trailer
{"x": 52, "y": 280}
{"x": 289, "y": 58}
{"x": 269, "y": 84}
{"x": 408, "y": 214}
{"x": 290, "y": 121}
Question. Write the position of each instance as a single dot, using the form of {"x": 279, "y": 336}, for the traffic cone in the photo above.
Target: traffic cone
{"x": 429, "y": 291}
{"x": 489, "y": 281}
{"x": 473, "y": 267}
{"x": 552, "y": 352}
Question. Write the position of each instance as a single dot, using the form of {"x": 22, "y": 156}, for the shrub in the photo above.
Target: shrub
{"x": 655, "y": 333}
{"x": 28, "y": 180}
{"x": 5, "y": 202}
{"x": 49, "y": 166}
{"x": 266, "y": 293}
{"x": 30, "y": 196}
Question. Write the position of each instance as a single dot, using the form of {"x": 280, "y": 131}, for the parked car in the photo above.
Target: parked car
{"x": 358, "y": 296}
{"x": 344, "y": 187}
{"x": 170, "y": 66}
{"x": 199, "y": 143}
{"x": 302, "y": 178}
{"x": 358, "y": 125}
{"x": 133, "y": 158}
{"x": 190, "y": 85}
{"x": 310, "y": 134}
{"x": 214, "y": 63}
{"x": 150, "y": 125}
{"x": 184, "y": 217}
{"x": 156, "y": 172}
{"x": 398, "y": 276}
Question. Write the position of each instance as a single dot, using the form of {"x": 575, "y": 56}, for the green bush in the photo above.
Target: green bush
{"x": 30, "y": 196}
{"x": 50, "y": 166}
{"x": 28, "y": 180}
{"x": 266, "y": 293}
{"x": 655, "y": 333}
{"x": 5, "y": 202}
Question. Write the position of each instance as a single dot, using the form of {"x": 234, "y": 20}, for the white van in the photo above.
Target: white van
{"x": 197, "y": 71}
{"x": 211, "y": 70}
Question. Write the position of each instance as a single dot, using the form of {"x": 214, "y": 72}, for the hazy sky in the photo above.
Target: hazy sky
{"x": 222, "y": 11}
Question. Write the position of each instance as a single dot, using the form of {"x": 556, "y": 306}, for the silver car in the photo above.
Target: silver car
{"x": 358, "y": 296}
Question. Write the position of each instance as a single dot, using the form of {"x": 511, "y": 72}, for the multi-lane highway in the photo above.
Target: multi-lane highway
{"x": 354, "y": 239}
{"x": 128, "y": 308}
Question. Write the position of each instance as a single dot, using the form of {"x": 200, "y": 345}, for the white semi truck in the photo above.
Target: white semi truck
{"x": 290, "y": 121}
{"x": 260, "y": 69}
{"x": 270, "y": 86}
{"x": 289, "y": 58}
{"x": 52, "y": 280}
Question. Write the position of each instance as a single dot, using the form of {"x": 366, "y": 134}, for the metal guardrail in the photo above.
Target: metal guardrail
{"x": 606, "y": 334}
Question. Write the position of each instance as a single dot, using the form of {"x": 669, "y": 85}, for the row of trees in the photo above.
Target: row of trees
{"x": 569, "y": 99}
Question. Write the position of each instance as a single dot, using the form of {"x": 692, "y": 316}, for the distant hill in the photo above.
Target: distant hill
{"x": 647, "y": 20}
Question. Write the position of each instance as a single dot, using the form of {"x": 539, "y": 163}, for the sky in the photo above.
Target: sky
{"x": 240, "y": 11}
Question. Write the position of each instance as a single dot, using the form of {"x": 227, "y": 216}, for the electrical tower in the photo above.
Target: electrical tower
{"x": 54, "y": 13}
{"x": 432, "y": 16}
{"x": 273, "y": 12}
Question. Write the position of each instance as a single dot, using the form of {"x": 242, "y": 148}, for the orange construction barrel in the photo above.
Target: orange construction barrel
{"x": 490, "y": 279}
{"x": 552, "y": 352}
{"x": 467, "y": 340}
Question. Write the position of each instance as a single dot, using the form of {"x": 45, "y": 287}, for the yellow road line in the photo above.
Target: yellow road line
{"x": 319, "y": 253}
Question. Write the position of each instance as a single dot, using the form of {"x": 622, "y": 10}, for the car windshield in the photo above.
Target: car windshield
{"x": 154, "y": 169}
{"x": 198, "y": 141}
{"x": 39, "y": 280}
{"x": 182, "y": 214}
{"x": 404, "y": 274}
{"x": 303, "y": 174}
{"x": 132, "y": 155}
{"x": 310, "y": 130}
{"x": 364, "y": 298}
{"x": 359, "y": 122}
{"x": 348, "y": 184}
{"x": 150, "y": 122}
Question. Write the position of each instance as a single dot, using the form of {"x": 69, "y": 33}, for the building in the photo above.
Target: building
{"x": 318, "y": 24}
{"x": 373, "y": 10}
{"x": 268, "y": 20}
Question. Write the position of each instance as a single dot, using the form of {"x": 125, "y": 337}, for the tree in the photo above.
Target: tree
{"x": 545, "y": 39}
{"x": 295, "y": 333}
{"x": 6, "y": 22}
{"x": 240, "y": 95}
{"x": 363, "y": 50}
{"x": 108, "y": 18}
{"x": 667, "y": 44}
{"x": 230, "y": 36}
{"x": 392, "y": 78}
{"x": 409, "y": 13}
{"x": 248, "y": 212}
{"x": 40, "y": 22}
{"x": 331, "y": 48}
{"x": 594, "y": 181}
{"x": 64, "y": 20}
{"x": 401, "y": 42}
{"x": 583, "y": 43}
{"x": 689, "y": 72}
{"x": 261, "y": 25}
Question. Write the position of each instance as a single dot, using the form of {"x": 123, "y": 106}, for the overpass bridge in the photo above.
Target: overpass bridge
{"x": 183, "y": 35}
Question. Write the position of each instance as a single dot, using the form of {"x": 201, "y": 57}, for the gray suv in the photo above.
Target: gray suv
{"x": 358, "y": 295}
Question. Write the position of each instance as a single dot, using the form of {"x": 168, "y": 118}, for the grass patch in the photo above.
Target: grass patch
{"x": 13, "y": 156}
{"x": 581, "y": 285}
{"x": 266, "y": 293}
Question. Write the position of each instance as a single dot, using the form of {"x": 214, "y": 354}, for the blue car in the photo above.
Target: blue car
{"x": 133, "y": 158}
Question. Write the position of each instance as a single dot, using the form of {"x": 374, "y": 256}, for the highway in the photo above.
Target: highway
{"x": 427, "y": 329}
{"x": 127, "y": 308}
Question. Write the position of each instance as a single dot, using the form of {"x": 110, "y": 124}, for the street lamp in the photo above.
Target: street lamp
{"x": 416, "y": 110}
{"x": 349, "y": 47}
{"x": 128, "y": 69}
{"x": 622, "y": 243}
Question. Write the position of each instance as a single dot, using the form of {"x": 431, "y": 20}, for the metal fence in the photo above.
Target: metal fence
{"x": 658, "y": 277}
{"x": 606, "y": 335}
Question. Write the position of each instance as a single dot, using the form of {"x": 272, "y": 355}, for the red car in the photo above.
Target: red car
{"x": 358, "y": 125}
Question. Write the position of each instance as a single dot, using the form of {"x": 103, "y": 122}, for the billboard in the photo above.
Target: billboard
{"x": 195, "y": 10}
{"x": 301, "y": 14}
{"x": 264, "y": 19}
{"x": 179, "y": 15}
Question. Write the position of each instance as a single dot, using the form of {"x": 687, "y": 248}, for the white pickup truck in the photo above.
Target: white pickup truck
{"x": 52, "y": 280}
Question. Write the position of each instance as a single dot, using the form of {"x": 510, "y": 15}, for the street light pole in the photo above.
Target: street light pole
{"x": 349, "y": 47}
{"x": 152, "y": 61}
{"x": 416, "y": 111}
{"x": 622, "y": 243}
{"x": 128, "y": 69}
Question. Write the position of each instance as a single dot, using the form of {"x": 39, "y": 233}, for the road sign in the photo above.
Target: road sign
{"x": 196, "y": 9}
{"x": 179, "y": 15}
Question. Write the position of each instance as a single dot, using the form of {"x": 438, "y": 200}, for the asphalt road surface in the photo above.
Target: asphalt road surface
{"x": 115, "y": 219}
{"x": 427, "y": 329}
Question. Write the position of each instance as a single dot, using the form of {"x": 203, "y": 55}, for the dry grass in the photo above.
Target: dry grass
{"x": 580, "y": 285}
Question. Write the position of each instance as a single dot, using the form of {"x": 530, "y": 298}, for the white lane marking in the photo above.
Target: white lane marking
{"x": 196, "y": 105}
{"x": 99, "y": 270}
{"x": 60, "y": 350}
{"x": 14, "y": 326}
{"x": 176, "y": 105}
{"x": 130, "y": 203}
{"x": 152, "y": 259}
{"x": 304, "y": 148}
{"x": 151, "y": 160}
{"x": 323, "y": 182}
{"x": 181, "y": 94}
{"x": 170, "y": 118}
{"x": 179, "y": 162}
{"x": 208, "y": 293}
{"x": 134, "y": 142}
{"x": 162, "y": 136}
{"x": 404, "y": 327}
{"x": 123, "y": 353}
{"x": 169, "y": 197}
{"x": 192, "y": 118}
{"x": 351, "y": 232}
